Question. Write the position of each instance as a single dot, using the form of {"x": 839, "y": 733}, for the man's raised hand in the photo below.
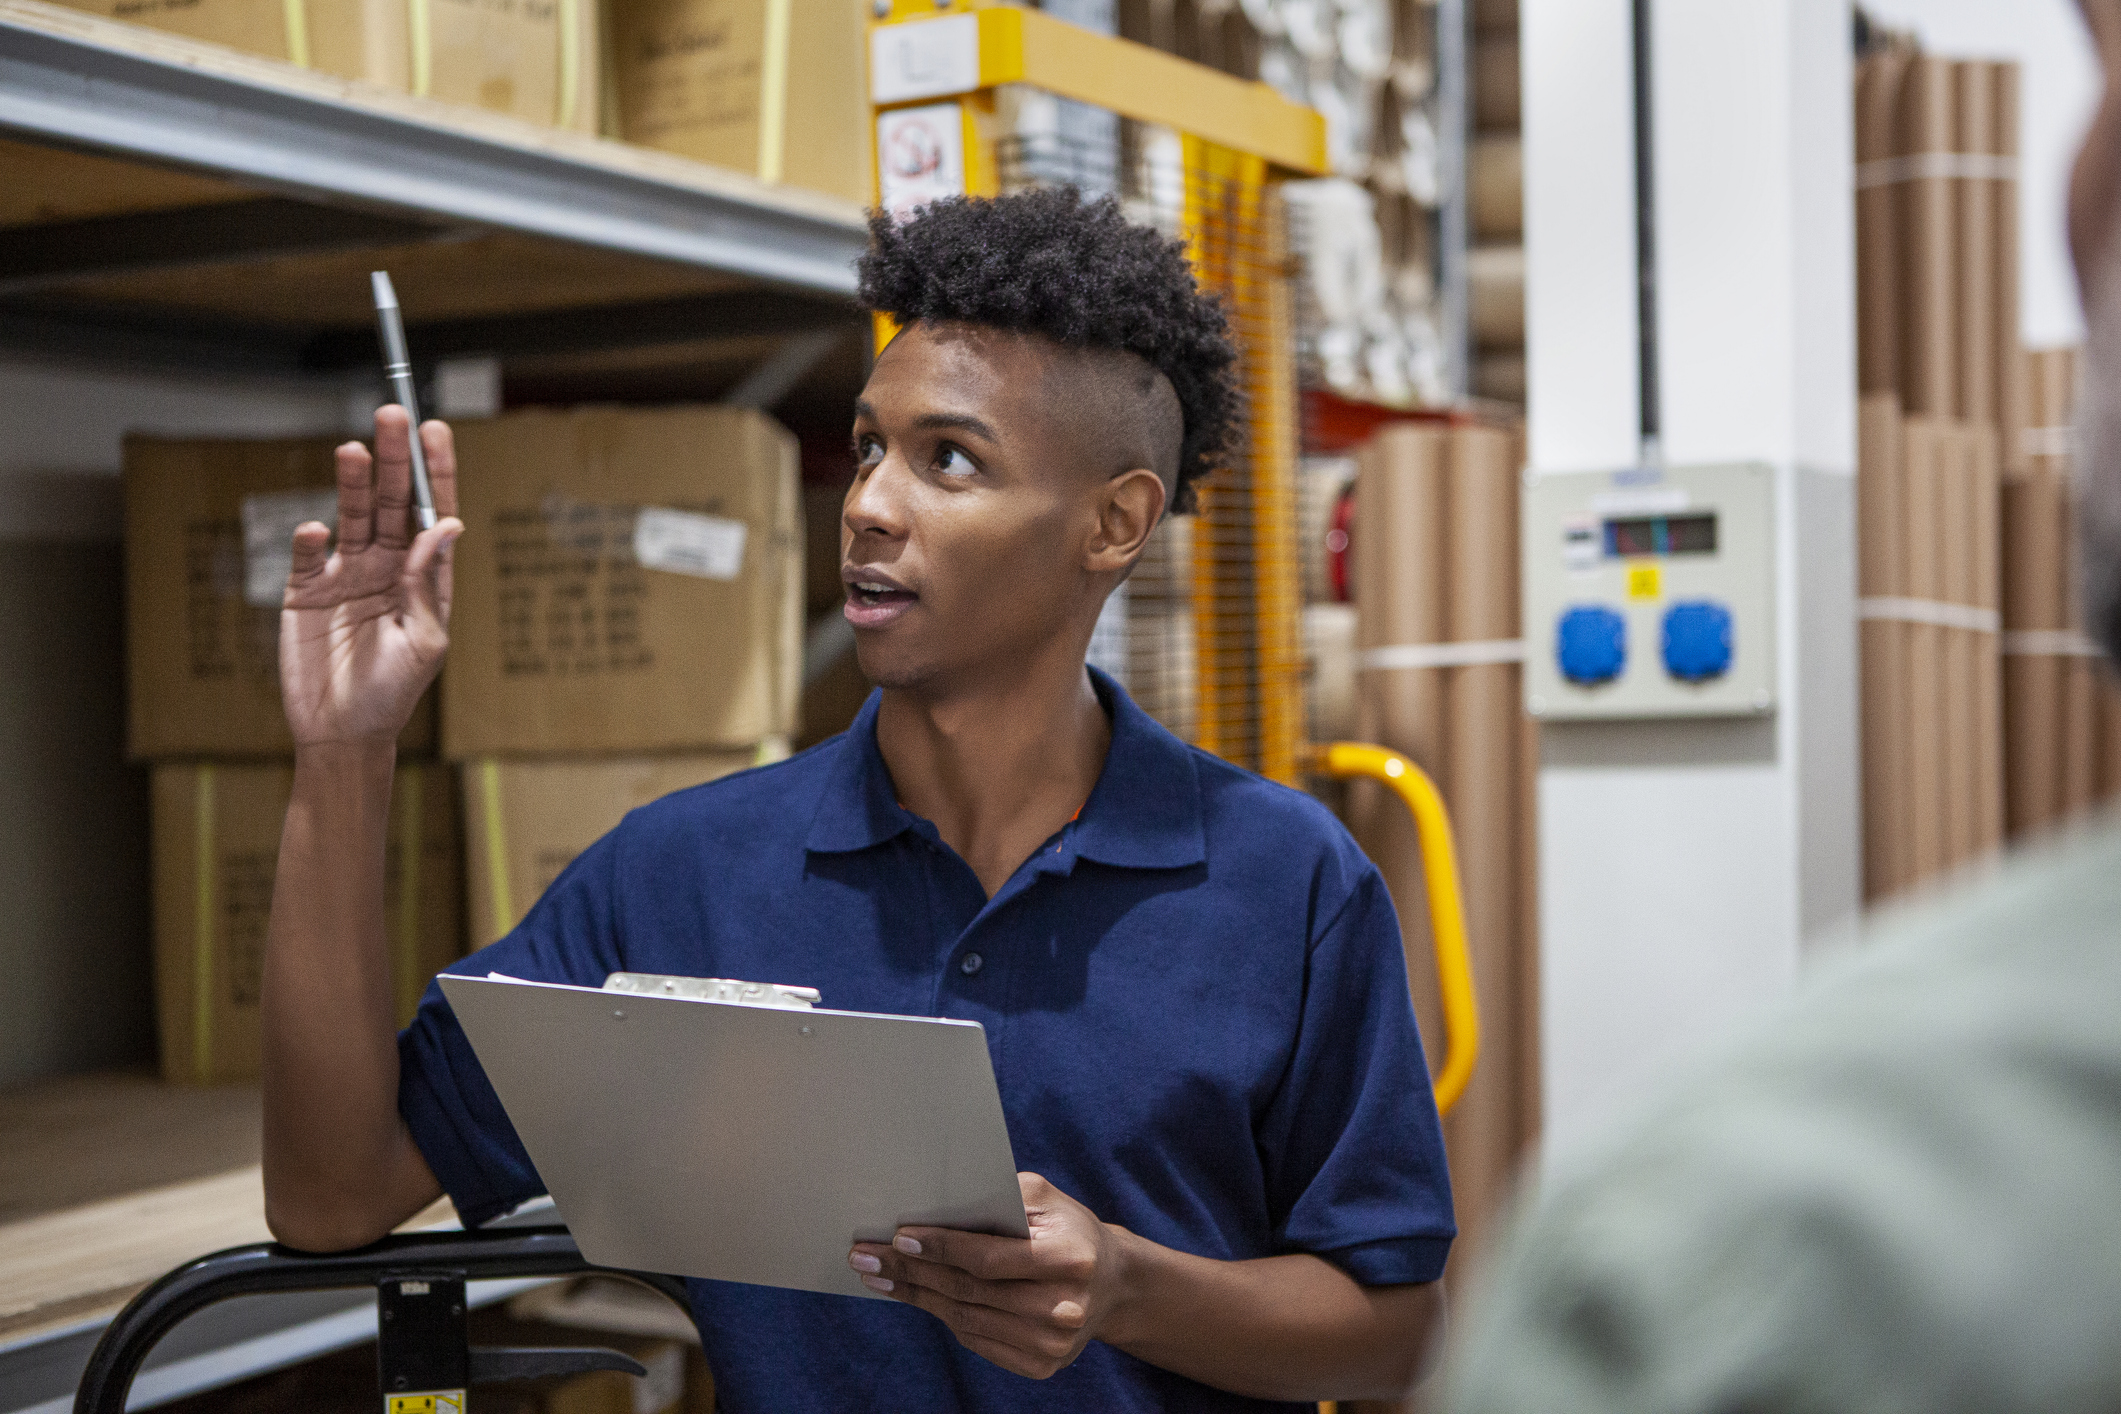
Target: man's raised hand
{"x": 363, "y": 627}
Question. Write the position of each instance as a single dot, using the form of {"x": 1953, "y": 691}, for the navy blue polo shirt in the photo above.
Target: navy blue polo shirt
{"x": 1194, "y": 996}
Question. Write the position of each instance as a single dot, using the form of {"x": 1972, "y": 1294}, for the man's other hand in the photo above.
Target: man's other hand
{"x": 1028, "y": 1306}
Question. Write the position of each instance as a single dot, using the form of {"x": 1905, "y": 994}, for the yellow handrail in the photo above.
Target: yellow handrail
{"x": 1447, "y": 912}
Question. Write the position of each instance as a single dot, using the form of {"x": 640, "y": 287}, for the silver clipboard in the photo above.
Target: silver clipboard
{"x": 740, "y": 1141}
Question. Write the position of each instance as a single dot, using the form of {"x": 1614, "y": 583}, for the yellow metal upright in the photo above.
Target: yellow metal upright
{"x": 1245, "y": 574}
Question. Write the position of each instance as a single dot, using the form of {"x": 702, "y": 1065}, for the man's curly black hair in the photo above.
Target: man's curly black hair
{"x": 1077, "y": 272}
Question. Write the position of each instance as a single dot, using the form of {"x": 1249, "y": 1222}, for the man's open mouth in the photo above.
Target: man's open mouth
{"x": 873, "y": 594}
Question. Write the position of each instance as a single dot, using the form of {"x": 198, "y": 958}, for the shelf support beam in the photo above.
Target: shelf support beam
{"x": 81, "y": 82}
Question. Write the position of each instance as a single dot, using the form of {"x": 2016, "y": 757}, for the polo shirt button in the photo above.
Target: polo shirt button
{"x": 971, "y": 963}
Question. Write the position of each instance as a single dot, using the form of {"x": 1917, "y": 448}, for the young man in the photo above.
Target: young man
{"x": 1190, "y": 979}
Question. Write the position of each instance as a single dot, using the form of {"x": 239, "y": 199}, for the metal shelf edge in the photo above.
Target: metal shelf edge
{"x": 69, "y": 91}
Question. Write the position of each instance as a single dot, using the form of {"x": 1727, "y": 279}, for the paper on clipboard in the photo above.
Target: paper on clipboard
{"x": 740, "y": 1140}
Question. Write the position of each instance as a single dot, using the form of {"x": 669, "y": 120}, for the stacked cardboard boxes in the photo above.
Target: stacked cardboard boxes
{"x": 1435, "y": 535}
{"x": 542, "y": 62}
{"x": 215, "y": 827}
{"x": 208, "y": 526}
{"x": 1942, "y": 405}
{"x": 628, "y": 621}
{"x": 525, "y": 821}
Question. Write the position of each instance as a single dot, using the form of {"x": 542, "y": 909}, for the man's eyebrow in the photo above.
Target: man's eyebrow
{"x": 961, "y": 421}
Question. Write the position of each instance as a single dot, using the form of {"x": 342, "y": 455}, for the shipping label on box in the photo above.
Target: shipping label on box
{"x": 203, "y": 622}
{"x": 525, "y": 821}
{"x": 568, "y": 640}
{"x": 216, "y": 844}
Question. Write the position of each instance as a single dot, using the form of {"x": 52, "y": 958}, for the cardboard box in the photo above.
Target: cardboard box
{"x": 203, "y": 617}
{"x": 538, "y": 60}
{"x": 525, "y": 821}
{"x": 777, "y": 89}
{"x": 216, "y": 841}
{"x": 629, "y": 582}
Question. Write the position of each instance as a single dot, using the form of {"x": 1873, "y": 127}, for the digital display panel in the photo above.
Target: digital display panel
{"x": 1661, "y": 535}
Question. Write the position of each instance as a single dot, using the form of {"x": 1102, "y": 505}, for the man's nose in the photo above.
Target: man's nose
{"x": 876, "y": 502}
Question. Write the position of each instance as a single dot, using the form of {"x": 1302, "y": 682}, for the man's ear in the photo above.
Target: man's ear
{"x": 1128, "y": 509}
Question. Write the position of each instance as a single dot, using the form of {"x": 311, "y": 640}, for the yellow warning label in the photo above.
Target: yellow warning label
{"x": 434, "y": 1401}
{"x": 1646, "y": 580}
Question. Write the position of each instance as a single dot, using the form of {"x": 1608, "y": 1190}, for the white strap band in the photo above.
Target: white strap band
{"x": 2050, "y": 643}
{"x": 1930, "y": 611}
{"x": 1471, "y": 654}
{"x": 1977, "y": 166}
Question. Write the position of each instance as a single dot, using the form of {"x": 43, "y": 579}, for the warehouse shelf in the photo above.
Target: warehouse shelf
{"x": 175, "y": 206}
{"x": 168, "y": 201}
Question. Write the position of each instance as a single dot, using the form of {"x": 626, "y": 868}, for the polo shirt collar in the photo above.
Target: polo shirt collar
{"x": 1144, "y": 812}
{"x": 858, "y": 807}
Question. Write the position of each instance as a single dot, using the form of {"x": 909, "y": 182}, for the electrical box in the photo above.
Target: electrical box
{"x": 1650, "y": 592}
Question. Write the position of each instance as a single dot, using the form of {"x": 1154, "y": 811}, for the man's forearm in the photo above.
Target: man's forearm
{"x": 340, "y": 1168}
{"x": 1292, "y": 1327}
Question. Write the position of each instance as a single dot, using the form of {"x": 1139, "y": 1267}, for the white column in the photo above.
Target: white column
{"x": 1685, "y": 864}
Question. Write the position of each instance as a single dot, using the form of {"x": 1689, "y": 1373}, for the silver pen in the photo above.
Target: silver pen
{"x": 397, "y": 367}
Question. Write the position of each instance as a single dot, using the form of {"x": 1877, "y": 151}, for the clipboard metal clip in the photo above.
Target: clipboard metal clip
{"x": 713, "y": 989}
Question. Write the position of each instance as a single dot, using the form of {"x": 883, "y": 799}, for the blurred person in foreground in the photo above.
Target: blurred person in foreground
{"x": 1904, "y": 1191}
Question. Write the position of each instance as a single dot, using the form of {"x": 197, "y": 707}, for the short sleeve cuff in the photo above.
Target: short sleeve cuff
{"x": 478, "y": 1200}
{"x": 1394, "y": 1262}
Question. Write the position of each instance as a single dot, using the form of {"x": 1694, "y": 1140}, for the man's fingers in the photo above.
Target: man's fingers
{"x": 970, "y": 1318}
{"x": 1020, "y": 1326}
{"x": 312, "y": 551}
{"x": 393, "y": 478}
{"x": 357, "y": 495}
{"x": 988, "y": 1258}
{"x": 423, "y": 575}
{"x": 441, "y": 447}
{"x": 1018, "y": 1345}
{"x": 1026, "y": 1300}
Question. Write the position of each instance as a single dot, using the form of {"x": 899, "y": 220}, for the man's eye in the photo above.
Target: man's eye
{"x": 952, "y": 462}
{"x": 868, "y": 451}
